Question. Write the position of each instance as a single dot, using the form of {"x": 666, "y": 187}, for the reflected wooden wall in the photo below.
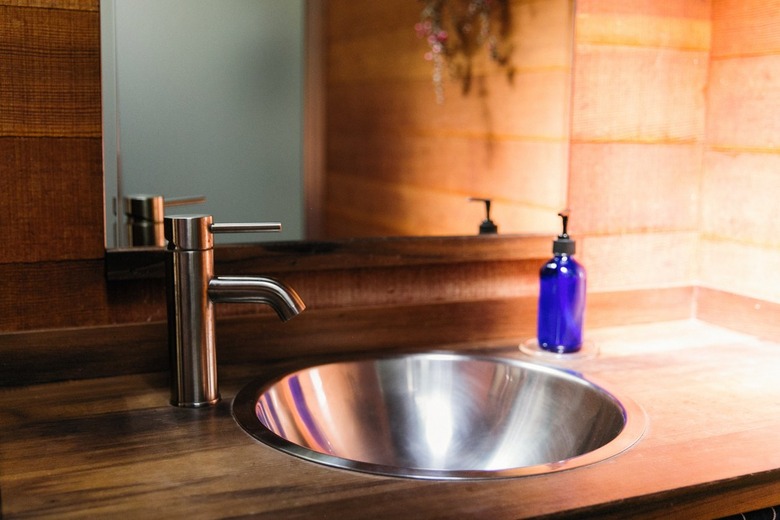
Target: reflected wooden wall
{"x": 398, "y": 163}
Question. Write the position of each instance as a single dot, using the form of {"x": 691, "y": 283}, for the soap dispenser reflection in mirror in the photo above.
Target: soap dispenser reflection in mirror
{"x": 487, "y": 227}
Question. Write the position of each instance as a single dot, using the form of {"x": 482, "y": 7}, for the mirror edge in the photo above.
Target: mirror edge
{"x": 108, "y": 90}
{"x": 351, "y": 253}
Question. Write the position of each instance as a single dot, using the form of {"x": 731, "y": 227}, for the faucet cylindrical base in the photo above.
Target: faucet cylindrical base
{"x": 191, "y": 336}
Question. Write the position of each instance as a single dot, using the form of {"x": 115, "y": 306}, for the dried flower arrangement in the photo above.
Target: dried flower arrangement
{"x": 455, "y": 30}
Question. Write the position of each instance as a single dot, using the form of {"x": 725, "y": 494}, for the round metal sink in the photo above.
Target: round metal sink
{"x": 440, "y": 416}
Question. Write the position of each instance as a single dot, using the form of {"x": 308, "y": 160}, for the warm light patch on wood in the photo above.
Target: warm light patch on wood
{"x": 644, "y": 31}
{"x": 744, "y": 28}
{"x": 661, "y": 8}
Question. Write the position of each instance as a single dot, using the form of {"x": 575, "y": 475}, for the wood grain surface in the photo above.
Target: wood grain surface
{"x": 114, "y": 447}
{"x": 51, "y": 196}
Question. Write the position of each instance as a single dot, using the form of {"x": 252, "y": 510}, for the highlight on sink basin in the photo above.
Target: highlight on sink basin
{"x": 440, "y": 416}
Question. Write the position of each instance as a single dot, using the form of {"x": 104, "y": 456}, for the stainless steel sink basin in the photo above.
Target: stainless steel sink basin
{"x": 440, "y": 416}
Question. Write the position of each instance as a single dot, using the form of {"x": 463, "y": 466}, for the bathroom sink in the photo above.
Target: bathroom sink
{"x": 440, "y": 416}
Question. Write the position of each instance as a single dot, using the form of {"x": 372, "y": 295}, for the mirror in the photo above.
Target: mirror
{"x": 322, "y": 115}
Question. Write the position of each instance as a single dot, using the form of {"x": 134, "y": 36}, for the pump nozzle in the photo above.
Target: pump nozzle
{"x": 488, "y": 227}
{"x": 564, "y": 244}
{"x": 565, "y": 217}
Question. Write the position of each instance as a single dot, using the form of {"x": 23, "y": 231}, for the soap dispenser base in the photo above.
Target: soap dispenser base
{"x": 531, "y": 348}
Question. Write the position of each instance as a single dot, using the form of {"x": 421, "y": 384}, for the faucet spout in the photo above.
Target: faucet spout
{"x": 257, "y": 289}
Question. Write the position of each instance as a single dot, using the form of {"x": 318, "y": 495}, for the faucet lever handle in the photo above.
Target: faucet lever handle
{"x": 249, "y": 227}
{"x": 195, "y": 232}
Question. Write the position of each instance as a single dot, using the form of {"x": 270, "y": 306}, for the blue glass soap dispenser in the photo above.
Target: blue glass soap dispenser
{"x": 561, "y": 298}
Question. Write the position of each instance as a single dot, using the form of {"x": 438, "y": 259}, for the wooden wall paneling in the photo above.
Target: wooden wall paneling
{"x": 529, "y": 106}
{"x": 50, "y": 129}
{"x": 359, "y": 36}
{"x": 697, "y": 9}
{"x": 744, "y": 28}
{"x": 70, "y": 5}
{"x": 50, "y": 71}
{"x": 460, "y": 162}
{"x": 52, "y": 294}
{"x": 740, "y": 174}
{"x": 739, "y": 197}
{"x": 52, "y": 196}
{"x": 739, "y": 111}
{"x": 408, "y": 210}
{"x": 637, "y": 143}
{"x": 676, "y": 24}
{"x": 646, "y": 260}
{"x": 635, "y": 187}
{"x": 42, "y": 175}
{"x": 639, "y": 95}
{"x": 51, "y": 202}
{"x": 498, "y": 323}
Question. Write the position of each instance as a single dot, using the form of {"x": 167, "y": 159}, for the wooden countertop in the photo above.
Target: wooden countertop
{"x": 113, "y": 446}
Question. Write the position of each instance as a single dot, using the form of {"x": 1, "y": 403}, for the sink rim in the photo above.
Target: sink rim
{"x": 243, "y": 405}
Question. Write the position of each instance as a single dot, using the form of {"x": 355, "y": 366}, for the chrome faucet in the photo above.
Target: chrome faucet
{"x": 192, "y": 290}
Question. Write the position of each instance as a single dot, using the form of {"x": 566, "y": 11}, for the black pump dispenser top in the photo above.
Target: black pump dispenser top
{"x": 488, "y": 227}
{"x": 564, "y": 245}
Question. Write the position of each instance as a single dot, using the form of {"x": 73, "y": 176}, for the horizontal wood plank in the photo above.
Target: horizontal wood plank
{"x": 739, "y": 112}
{"x": 743, "y": 28}
{"x": 639, "y": 260}
{"x": 636, "y": 94}
{"x": 618, "y": 188}
{"x": 64, "y": 43}
{"x": 41, "y": 180}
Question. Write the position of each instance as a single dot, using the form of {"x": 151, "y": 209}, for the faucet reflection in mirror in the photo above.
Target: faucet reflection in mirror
{"x": 193, "y": 289}
{"x": 144, "y": 215}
